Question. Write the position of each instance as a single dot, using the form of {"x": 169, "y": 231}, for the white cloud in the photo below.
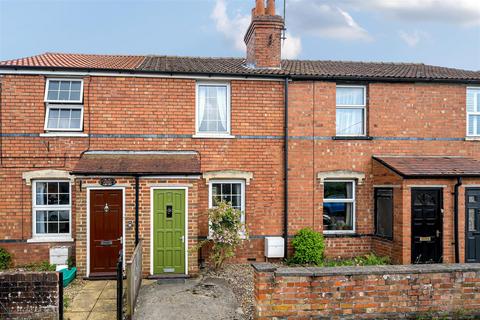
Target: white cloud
{"x": 234, "y": 29}
{"x": 461, "y": 12}
{"x": 412, "y": 39}
{"x": 291, "y": 47}
{"x": 323, "y": 20}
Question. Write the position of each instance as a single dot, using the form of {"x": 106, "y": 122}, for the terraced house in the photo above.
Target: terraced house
{"x": 98, "y": 151}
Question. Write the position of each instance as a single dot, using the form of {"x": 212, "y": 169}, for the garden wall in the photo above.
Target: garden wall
{"x": 29, "y": 295}
{"x": 377, "y": 292}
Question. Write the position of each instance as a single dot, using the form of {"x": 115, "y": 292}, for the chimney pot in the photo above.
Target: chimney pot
{"x": 260, "y": 8}
{"x": 271, "y": 7}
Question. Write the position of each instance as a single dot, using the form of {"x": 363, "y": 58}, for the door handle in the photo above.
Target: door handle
{"x": 120, "y": 239}
{"x": 438, "y": 233}
{"x": 183, "y": 239}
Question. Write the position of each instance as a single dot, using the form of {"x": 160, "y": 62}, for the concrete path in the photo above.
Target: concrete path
{"x": 202, "y": 299}
{"x": 96, "y": 301}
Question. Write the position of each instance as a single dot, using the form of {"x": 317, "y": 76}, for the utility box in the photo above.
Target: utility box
{"x": 274, "y": 247}
{"x": 60, "y": 255}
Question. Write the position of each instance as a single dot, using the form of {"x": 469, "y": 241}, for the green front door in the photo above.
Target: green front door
{"x": 168, "y": 231}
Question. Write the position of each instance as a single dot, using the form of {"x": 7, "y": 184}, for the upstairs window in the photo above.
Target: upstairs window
{"x": 64, "y": 108}
{"x": 213, "y": 109}
{"x": 339, "y": 206}
{"x": 473, "y": 112}
{"x": 351, "y": 111}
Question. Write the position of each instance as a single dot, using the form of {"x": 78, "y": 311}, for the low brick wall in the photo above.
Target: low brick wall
{"x": 379, "y": 292}
{"x": 29, "y": 295}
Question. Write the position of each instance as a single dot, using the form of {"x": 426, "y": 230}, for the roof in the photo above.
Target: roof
{"x": 348, "y": 70}
{"x": 434, "y": 166}
{"x": 138, "y": 163}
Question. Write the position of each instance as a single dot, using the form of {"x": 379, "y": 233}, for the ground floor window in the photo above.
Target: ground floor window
{"x": 339, "y": 206}
{"x": 51, "y": 209}
{"x": 384, "y": 212}
{"x": 231, "y": 191}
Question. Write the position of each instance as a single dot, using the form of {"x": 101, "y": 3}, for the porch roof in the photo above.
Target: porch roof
{"x": 130, "y": 163}
{"x": 431, "y": 166}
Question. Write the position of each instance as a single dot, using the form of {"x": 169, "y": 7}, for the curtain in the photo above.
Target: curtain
{"x": 202, "y": 98}
{"x": 350, "y": 121}
{"x": 222, "y": 107}
{"x": 350, "y": 96}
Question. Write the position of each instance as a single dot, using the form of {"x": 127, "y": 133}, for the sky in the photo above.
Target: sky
{"x": 438, "y": 32}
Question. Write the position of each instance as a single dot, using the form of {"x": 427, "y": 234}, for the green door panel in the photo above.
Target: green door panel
{"x": 168, "y": 231}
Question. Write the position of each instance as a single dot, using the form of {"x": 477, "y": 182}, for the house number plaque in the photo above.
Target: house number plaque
{"x": 107, "y": 182}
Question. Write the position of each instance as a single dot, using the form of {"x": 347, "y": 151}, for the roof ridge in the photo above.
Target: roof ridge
{"x": 360, "y": 61}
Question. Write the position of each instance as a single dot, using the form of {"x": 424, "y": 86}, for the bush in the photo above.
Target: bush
{"x": 226, "y": 232}
{"x": 309, "y": 247}
{"x": 366, "y": 260}
{"x": 5, "y": 259}
{"x": 39, "y": 266}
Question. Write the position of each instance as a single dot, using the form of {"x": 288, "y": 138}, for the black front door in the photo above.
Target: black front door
{"x": 427, "y": 225}
{"x": 472, "y": 225}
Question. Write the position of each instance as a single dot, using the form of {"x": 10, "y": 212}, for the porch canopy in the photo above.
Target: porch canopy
{"x": 138, "y": 163}
{"x": 431, "y": 166}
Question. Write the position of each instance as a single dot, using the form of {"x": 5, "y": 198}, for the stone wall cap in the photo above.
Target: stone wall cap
{"x": 364, "y": 270}
{"x": 264, "y": 267}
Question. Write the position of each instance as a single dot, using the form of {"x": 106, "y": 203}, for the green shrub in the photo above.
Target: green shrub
{"x": 39, "y": 266}
{"x": 309, "y": 247}
{"x": 366, "y": 260}
{"x": 5, "y": 259}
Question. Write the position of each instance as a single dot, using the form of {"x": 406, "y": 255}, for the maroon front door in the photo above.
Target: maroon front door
{"x": 105, "y": 231}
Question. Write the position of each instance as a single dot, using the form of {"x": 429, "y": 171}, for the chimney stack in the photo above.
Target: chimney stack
{"x": 264, "y": 37}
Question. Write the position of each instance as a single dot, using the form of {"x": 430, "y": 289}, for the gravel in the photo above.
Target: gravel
{"x": 240, "y": 278}
{"x": 70, "y": 292}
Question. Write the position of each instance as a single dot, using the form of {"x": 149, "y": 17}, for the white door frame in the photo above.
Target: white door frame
{"x": 88, "y": 221}
{"x": 185, "y": 188}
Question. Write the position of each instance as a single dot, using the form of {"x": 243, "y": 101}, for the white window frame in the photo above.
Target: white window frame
{"x": 63, "y": 106}
{"x": 476, "y": 102}
{"x": 352, "y": 201}
{"x": 242, "y": 202}
{"x": 198, "y": 133}
{"x": 63, "y": 101}
{"x": 347, "y": 106}
{"x": 47, "y": 237}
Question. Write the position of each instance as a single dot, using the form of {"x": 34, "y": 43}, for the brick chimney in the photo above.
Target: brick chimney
{"x": 264, "y": 37}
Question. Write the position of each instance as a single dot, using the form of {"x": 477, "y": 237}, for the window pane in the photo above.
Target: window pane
{"x": 75, "y": 95}
{"x": 64, "y": 215}
{"x": 226, "y": 188}
{"x": 54, "y": 85}
{"x": 474, "y": 125}
{"x": 64, "y": 187}
{"x": 52, "y": 187}
{"x": 65, "y": 85}
{"x": 63, "y": 227}
{"x": 64, "y": 95}
{"x": 384, "y": 212}
{"x": 41, "y": 227}
{"x": 52, "y": 95}
{"x": 350, "y": 122}
{"x": 213, "y": 108}
{"x": 53, "y": 228}
{"x": 338, "y": 216}
{"x": 338, "y": 190}
{"x": 53, "y": 216}
{"x": 216, "y": 188}
{"x": 350, "y": 96}
{"x": 41, "y": 216}
{"x": 75, "y": 86}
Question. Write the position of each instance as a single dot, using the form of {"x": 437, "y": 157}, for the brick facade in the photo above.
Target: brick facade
{"x": 30, "y": 295}
{"x": 387, "y": 292}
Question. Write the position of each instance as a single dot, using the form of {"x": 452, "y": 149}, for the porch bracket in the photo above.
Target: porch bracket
{"x": 341, "y": 174}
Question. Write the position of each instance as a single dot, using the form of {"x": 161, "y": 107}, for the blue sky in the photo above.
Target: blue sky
{"x": 439, "y": 32}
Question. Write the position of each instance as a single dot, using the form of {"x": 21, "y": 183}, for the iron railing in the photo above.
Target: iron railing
{"x": 120, "y": 286}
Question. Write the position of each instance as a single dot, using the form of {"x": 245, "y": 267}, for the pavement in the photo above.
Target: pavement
{"x": 179, "y": 299}
{"x": 96, "y": 301}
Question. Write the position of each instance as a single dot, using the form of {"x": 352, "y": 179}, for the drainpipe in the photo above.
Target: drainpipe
{"x": 285, "y": 164}
{"x": 137, "y": 191}
{"x": 455, "y": 218}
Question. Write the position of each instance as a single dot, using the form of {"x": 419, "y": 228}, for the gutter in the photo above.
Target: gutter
{"x": 455, "y": 218}
{"x": 285, "y": 163}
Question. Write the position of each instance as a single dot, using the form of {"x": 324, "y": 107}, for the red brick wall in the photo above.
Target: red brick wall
{"x": 387, "y": 292}
{"x": 142, "y": 106}
{"x": 403, "y": 119}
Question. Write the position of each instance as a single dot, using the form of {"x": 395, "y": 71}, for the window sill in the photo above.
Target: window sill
{"x": 472, "y": 138}
{"x": 64, "y": 134}
{"x": 50, "y": 239}
{"x": 352, "y": 138}
{"x": 212, "y": 136}
{"x": 383, "y": 238}
{"x": 339, "y": 234}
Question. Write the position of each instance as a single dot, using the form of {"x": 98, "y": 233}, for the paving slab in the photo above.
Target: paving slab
{"x": 108, "y": 294}
{"x": 76, "y": 315}
{"x": 102, "y": 316}
{"x": 103, "y": 305}
{"x": 95, "y": 285}
{"x": 84, "y": 302}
